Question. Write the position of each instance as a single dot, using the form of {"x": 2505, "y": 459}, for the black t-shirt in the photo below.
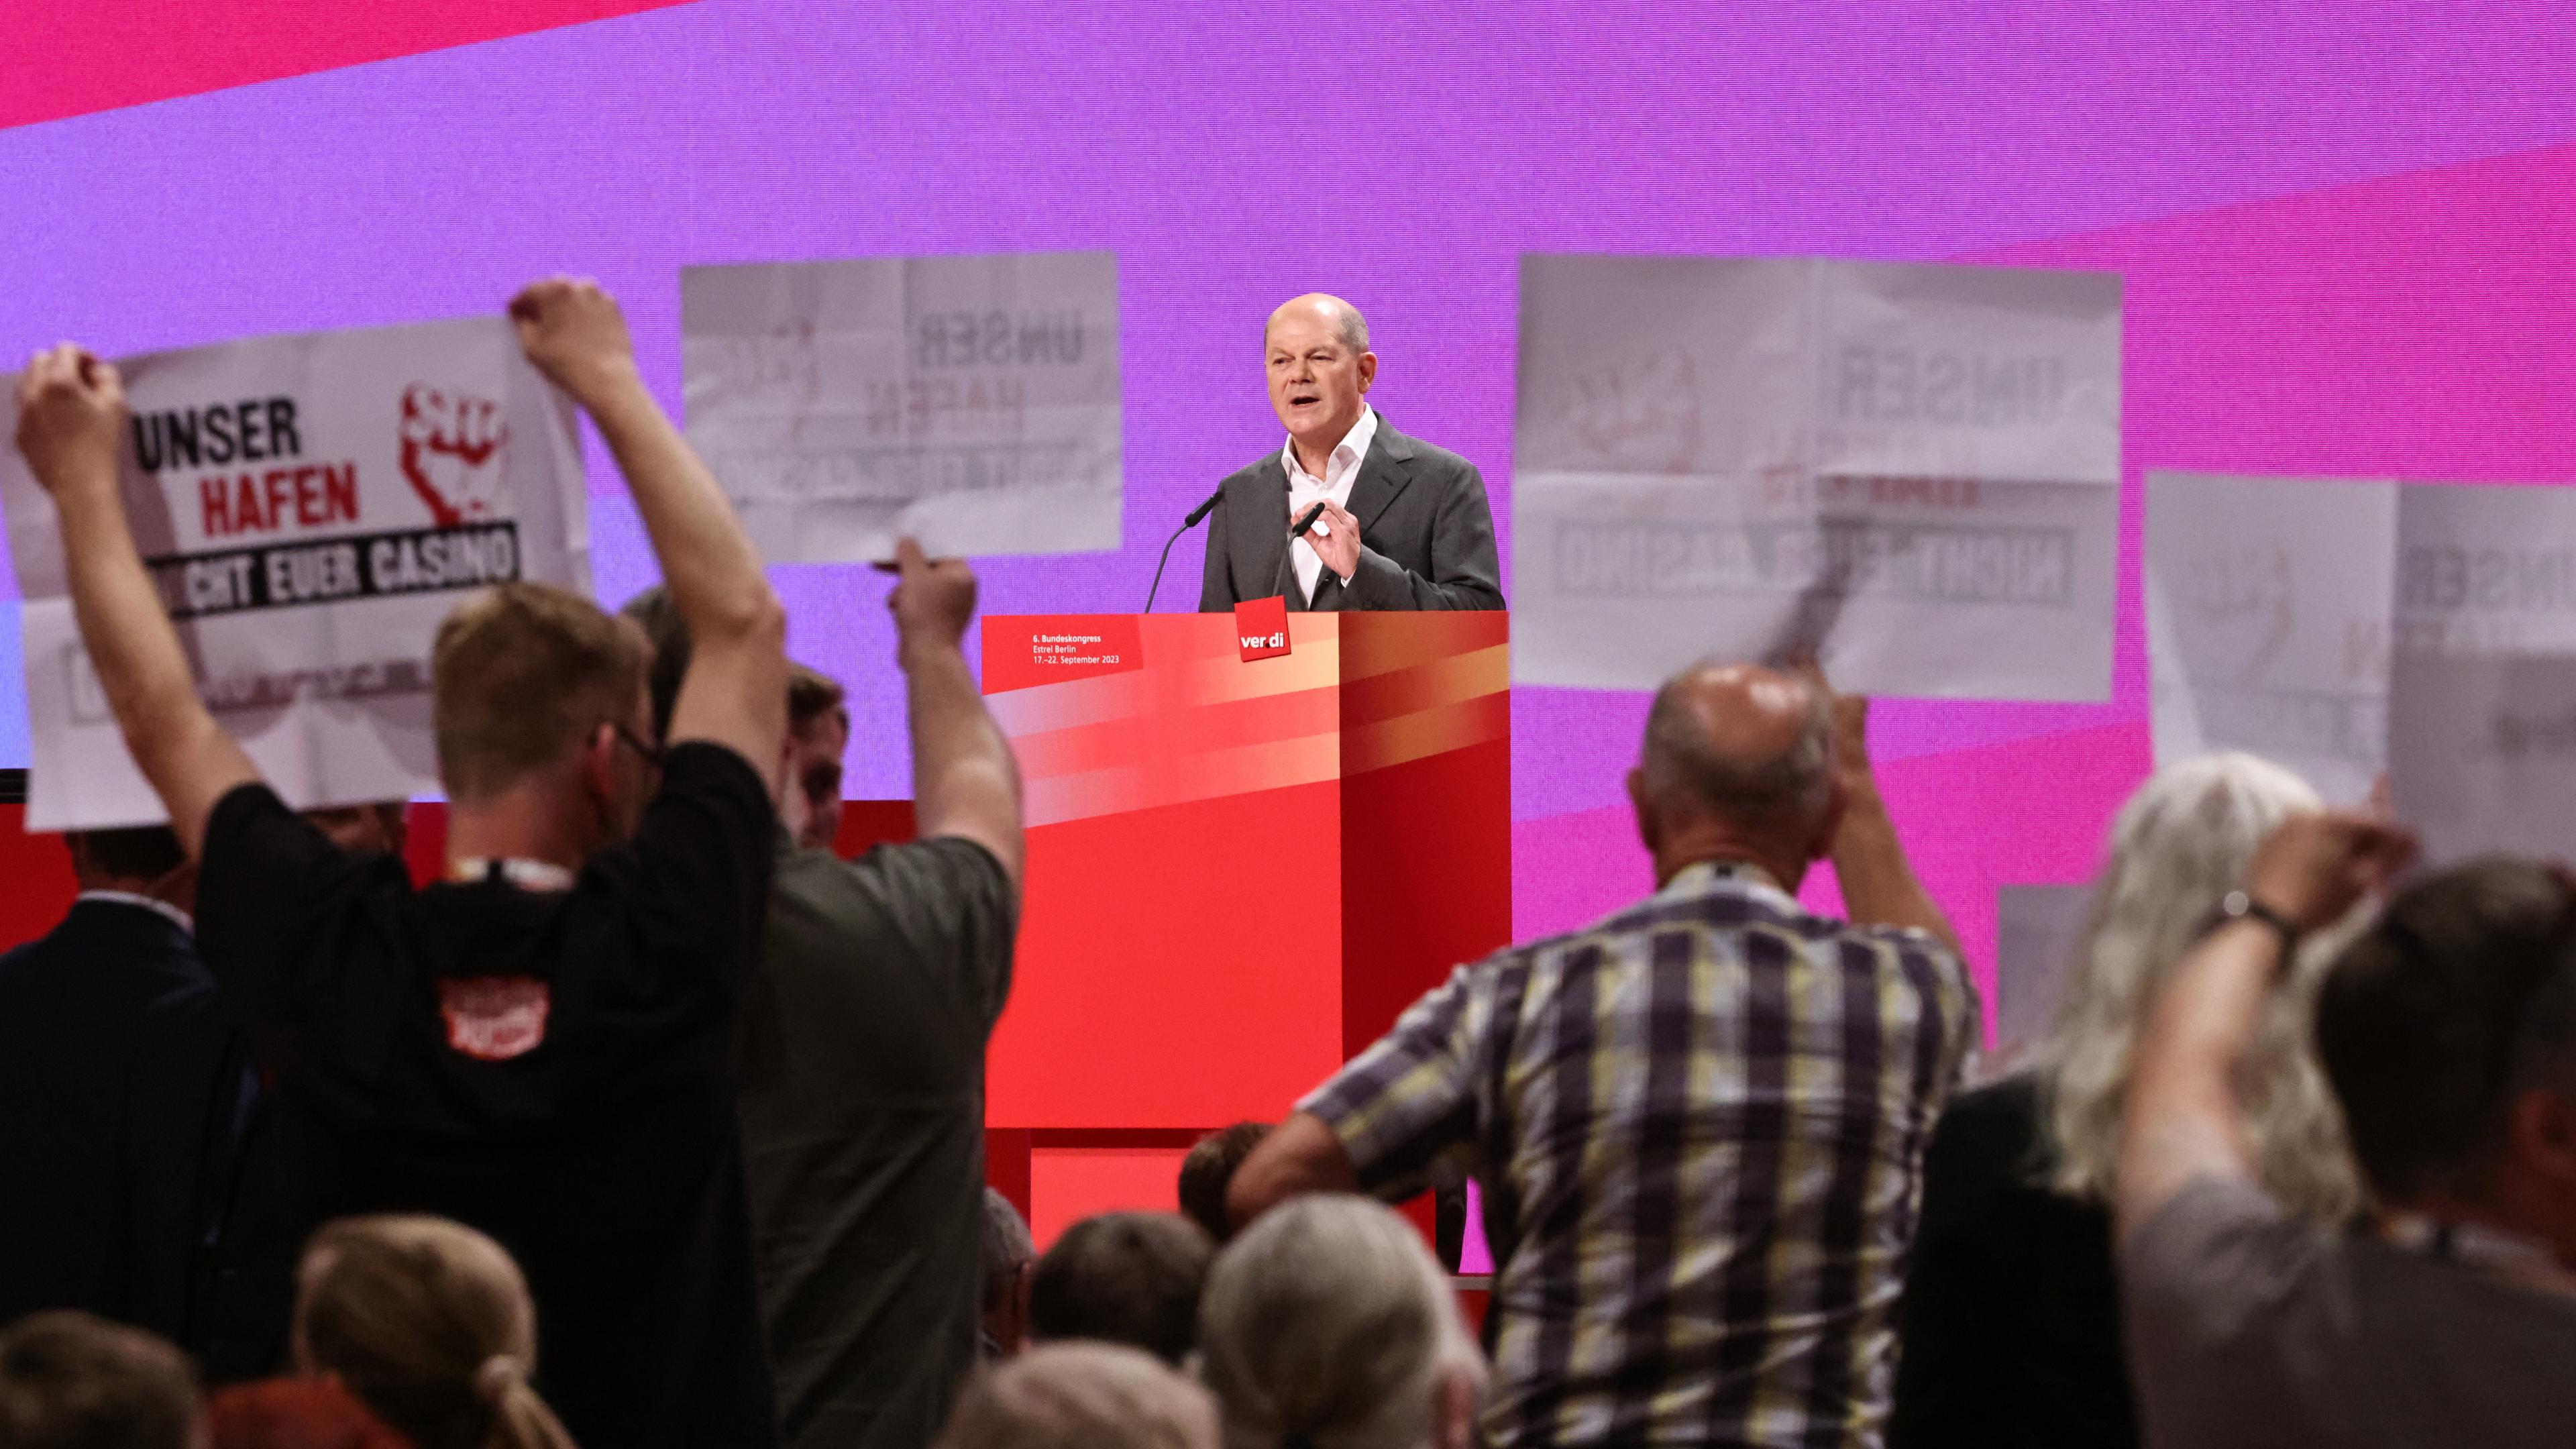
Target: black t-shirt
{"x": 863, "y": 1131}
{"x": 552, "y": 1067}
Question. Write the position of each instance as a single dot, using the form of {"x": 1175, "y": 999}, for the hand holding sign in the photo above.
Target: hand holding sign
{"x": 932, "y": 601}
{"x": 70, "y": 406}
{"x": 2313, "y": 868}
{"x": 575, "y": 334}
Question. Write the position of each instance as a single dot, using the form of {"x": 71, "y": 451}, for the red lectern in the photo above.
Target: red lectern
{"x": 1240, "y": 870}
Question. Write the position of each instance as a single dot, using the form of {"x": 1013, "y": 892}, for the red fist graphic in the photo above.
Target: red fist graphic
{"x": 451, "y": 452}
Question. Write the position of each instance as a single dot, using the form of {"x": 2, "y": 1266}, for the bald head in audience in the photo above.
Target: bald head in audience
{"x": 1082, "y": 1396}
{"x": 1739, "y": 760}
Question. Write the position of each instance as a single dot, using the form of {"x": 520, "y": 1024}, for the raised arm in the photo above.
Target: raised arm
{"x": 2181, "y": 1119}
{"x": 965, "y": 781}
{"x": 1879, "y": 885}
{"x": 71, "y": 409}
{"x": 735, "y": 691}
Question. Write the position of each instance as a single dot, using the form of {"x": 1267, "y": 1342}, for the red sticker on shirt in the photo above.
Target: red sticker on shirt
{"x": 494, "y": 1017}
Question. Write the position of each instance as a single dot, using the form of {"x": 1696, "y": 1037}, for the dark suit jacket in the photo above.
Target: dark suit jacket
{"x": 125, "y": 1089}
{"x": 1426, "y": 534}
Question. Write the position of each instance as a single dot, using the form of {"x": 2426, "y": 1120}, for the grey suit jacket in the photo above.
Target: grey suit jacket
{"x": 1426, "y": 535}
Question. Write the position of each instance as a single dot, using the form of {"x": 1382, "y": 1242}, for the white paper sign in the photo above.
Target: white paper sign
{"x": 2268, "y": 617}
{"x": 970, "y": 401}
{"x": 2279, "y": 609}
{"x": 2484, "y": 753}
{"x": 1911, "y": 471}
{"x": 2037, "y": 928}
{"x": 310, "y": 507}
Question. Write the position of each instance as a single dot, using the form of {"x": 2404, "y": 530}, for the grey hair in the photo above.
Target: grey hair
{"x": 1792, "y": 788}
{"x": 1349, "y": 326}
{"x": 1327, "y": 1323}
{"x": 1007, "y": 1245}
{"x": 2178, "y": 846}
{"x": 1081, "y": 1395}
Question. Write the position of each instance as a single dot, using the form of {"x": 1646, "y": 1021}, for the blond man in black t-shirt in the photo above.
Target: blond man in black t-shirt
{"x": 538, "y": 1045}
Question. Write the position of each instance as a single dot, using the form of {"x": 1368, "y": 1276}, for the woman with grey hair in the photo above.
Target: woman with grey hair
{"x": 2011, "y": 1316}
{"x": 1326, "y": 1325}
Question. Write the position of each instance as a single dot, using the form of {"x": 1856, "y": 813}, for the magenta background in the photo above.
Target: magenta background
{"x": 2345, "y": 230}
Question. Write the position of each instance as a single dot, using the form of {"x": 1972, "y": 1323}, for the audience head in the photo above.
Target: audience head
{"x": 1209, "y": 1170}
{"x": 429, "y": 1322}
{"x": 1081, "y": 1396}
{"x": 537, "y": 690}
{"x": 1317, "y": 352}
{"x": 372, "y": 829}
{"x": 1010, "y": 1257}
{"x": 818, "y": 735}
{"x": 1131, "y": 1278}
{"x": 2179, "y": 845}
{"x": 1327, "y": 1324}
{"x": 298, "y": 1413}
{"x": 2449, "y": 1031}
{"x": 818, "y": 719}
{"x": 1738, "y": 763}
{"x": 69, "y": 1380}
{"x": 143, "y": 859}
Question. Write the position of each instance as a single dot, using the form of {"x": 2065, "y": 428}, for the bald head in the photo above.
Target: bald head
{"x": 1750, "y": 747}
{"x": 1324, "y": 312}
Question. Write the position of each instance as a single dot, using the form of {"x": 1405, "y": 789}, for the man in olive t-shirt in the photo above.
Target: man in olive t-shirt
{"x": 861, "y": 1061}
{"x": 2449, "y": 1032}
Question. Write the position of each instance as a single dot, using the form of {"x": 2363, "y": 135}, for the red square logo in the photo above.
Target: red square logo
{"x": 1261, "y": 626}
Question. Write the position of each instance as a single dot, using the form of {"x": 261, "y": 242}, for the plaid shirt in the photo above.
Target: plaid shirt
{"x": 1699, "y": 1127}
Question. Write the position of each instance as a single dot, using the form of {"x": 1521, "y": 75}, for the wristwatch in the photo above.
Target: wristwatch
{"x": 2238, "y": 906}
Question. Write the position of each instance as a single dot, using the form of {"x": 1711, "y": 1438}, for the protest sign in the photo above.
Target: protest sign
{"x": 972, "y": 402}
{"x": 310, "y": 507}
{"x": 2037, "y": 928}
{"x": 1910, "y": 471}
{"x": 2280, "y": 611}
{"x": 2483, "y": 752}
{"x": 2268, "y": 616}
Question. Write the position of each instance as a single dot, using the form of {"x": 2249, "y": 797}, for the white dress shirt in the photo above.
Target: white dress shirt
{"x": 1341, "y": 470}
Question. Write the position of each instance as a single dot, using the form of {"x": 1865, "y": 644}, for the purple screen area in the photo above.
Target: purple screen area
{"x": 2343, "y": 228}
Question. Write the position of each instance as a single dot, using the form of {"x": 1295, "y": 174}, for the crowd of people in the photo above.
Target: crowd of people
{"x": 655, "y": 1123}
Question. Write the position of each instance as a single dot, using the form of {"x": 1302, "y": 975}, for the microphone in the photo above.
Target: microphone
{"x": 1186, "y": 525}
{"x": 1279, "y": 576}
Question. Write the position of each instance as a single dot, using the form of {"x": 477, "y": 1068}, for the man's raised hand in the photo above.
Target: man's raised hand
{"x": 70, "y": 408}
{"x": 933, "y": 599}
{"x": 575, "y": 335}
{"x": 2312, "y": 868}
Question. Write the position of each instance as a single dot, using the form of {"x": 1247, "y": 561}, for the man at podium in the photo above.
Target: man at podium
{"x": 1404, "y": 525}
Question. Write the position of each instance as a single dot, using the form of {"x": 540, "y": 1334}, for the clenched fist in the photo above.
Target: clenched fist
{"x": 451, "y": 452}
{"x": 575, "y": 335}
{"x": 70, "y": 408}
{"x": 933, "y": 600}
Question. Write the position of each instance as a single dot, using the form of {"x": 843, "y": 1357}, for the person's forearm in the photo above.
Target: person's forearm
{"x": 965, "y": 780}
{"x": 708, "y": 563}
{"x": 140, "y": 666}
{"x": 2181, "y": 1119}
{"x": 1878, "y": 884}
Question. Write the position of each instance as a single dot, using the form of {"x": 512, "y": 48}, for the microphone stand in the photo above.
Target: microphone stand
{"x": 1186, "y": 525}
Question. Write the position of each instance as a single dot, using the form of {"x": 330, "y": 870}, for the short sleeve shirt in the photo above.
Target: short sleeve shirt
{"x": 862, "y": 1106}
{"x": 2248, "y": 1327}
{"x": 1700, "y": 1128}
{"x": 552, "y": 1067}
